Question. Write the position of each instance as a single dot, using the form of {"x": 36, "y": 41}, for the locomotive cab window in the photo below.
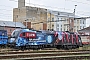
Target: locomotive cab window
{"x": 23, "y": 34}
{"x": 15, "y": 34}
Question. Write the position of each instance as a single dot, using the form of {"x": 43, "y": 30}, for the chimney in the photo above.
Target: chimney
{"x": 21, "y": 3}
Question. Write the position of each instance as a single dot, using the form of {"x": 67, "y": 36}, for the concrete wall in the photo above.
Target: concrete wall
{"x": 30, "y": 14}
{"x": 19, "y": 14}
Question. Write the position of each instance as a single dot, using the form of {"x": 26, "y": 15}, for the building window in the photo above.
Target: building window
{"x": 67, "y": 21}
{"x": 70, "y": 20}
{"x": 83, "y": 21}
{"x": 58, "y": 13}
{"x": 74, "y": 21}
{"x": 61, "y": 25}
{"x": 80, "y": 27}
{"x": 16, "y": 16}
{"x": 57, "y": 25}
{"x": 77, "y": 21}
{"x": 61, "y": 29}
{"x": 48, "y": 19}
{"x": 80, "y": 21}
{"x": 57, "y": 29}
{"x": 52, "y": 19}
{"x": 64, "y": 29}
{"x": 83, "y": 27}
{"x": 52, "y": 25}
{"x": 61, "y": 18}
{"x": 58, "y": 19}
{"x": 10, "y": 30}
{"x": 74, "y": 26}
{"x": 77, "y": 27}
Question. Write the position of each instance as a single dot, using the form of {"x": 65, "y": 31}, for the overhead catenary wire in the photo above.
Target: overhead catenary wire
{"x": 49, "y": 21}
{"x": 4, "y": 18}
{"x": 5, "y": 14}
{"x": 6, "y": 6}
{"x": 5, "y": 10}
{"x": 78, "y": 2}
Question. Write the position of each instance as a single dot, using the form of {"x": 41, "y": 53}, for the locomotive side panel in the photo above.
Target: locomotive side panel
{"x": 3, "y": 37}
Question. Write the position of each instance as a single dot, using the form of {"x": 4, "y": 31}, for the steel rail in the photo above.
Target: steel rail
{"x": 24, "y": 55}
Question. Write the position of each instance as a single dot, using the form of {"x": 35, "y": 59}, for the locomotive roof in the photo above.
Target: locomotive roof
{"x": 70, "y": 32}
{"x": 3, "y": 30}
{"x": 46, "y": 31}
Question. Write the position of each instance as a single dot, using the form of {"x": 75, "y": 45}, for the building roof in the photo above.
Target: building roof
{"x": 87, "y": 29}
{"x": 63, "y": 14}
{"x": 12, "y": 24}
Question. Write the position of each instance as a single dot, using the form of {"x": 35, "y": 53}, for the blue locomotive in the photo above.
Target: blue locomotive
{"x": 27, "y": 38}
{"x": 3, "y": 37}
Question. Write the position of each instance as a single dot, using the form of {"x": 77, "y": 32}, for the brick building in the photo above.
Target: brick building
{"x": 10, "y": 26}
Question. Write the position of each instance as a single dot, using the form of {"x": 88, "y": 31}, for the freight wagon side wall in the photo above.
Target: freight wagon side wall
{"x": 85, "y": 39}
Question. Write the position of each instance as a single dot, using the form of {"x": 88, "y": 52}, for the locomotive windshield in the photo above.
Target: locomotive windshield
{"x": 15, "y": 33}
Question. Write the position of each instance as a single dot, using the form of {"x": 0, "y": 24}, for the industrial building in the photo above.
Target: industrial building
{"x": 45, "y": 19}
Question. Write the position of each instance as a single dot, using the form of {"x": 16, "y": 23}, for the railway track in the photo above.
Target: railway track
{"x": 43, "y": 54}
{"x": 12, "y": 51}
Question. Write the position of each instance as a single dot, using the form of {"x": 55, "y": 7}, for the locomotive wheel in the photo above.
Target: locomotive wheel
{"x": 58, "y": 47}
{"x": 22, "y": 48}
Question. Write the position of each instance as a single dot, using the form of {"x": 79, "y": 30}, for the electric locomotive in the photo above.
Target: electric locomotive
{"x": 3, "y": 37}
{"x": 26, "y": 38}
{"x": 67, "y": 40}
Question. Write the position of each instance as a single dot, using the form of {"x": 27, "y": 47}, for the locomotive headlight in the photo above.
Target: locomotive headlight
{"x": 35, "y": 43}
{"x": 11, "y": 40}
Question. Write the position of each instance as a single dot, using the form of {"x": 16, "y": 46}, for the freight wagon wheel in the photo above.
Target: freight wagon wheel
{"x": 70, "y": 47}
{"x": 5, "y": 46}
{"x": 34, "y": 47}
{"x": 17, "y": 47}
{"x": 66, "y": 47}
{"x": 22, "y": 48}
{"x": 2, "y": 46}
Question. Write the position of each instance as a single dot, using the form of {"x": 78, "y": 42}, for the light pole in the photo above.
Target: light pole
{"x": 74, "y": 11}
{"x": 57, "y": 20}
{"x": 29, "y": 2}
{"x": 74, "y": 17}
{"x": 50, "y": 20}
{"x": 15, "y": 20}
{"x": 4, "y": 26}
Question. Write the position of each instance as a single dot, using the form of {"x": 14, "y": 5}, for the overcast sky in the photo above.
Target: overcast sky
{"x": 82, "y": 8}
